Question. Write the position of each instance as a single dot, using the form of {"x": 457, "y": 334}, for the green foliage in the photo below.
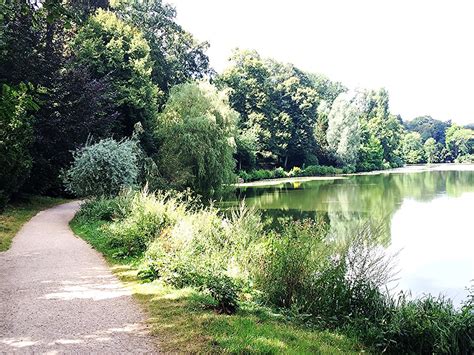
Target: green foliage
{"x": 295, "y": 171}
{"x": 428, "y": 127}
{"x": 175, "y": 54}
{"x": 430, "y": 148}
{"x": 224, "y": 290}
{"x": 103, "y": 169}
{"x": 286, "y": 262}
{"x": 459, "y": 141}
{"x": 299, "y": 268}
{"x": 343, "y": 133}
{"x": 370, "y": 155}
{"x": 412, "y": 148}
{"x": 311, "y": 170}
{"x": 111, "y": 48}
{"x": 195, "y": 133}
{"x": 279, "y": 101}
{"x": 429, "y": 326}
{"x": 16, "y": 136}
{"x": 465, "y": 159}
{"x": 246, "y": 143}
{"x": 75, "y": 108}
{"x": 320, "y": 170}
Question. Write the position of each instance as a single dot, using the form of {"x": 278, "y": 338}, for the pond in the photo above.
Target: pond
{"x": 427, "y": 215}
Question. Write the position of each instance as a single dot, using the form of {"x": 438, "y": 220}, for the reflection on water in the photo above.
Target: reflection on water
{"x": 429, "y": 215}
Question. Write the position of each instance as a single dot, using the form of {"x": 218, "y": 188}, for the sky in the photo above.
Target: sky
{"x": 421, "y": 51}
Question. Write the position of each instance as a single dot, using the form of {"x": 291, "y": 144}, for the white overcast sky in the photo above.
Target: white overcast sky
{"x": 422, "y": 51}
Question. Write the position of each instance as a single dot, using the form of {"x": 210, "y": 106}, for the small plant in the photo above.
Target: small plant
{"x": 224, "y": 290}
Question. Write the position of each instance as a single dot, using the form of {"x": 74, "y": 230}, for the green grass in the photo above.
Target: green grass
{"x": 183, "y": 321}
{"x": 18, "y": 213}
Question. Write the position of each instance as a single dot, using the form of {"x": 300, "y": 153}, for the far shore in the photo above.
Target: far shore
{"x": 419, "y": 168}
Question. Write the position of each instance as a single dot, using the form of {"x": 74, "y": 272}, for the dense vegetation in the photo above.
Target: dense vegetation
{"x": 90, "y": 70}
{"x": 99, "y": 97}
{"x": 301, "y": 270}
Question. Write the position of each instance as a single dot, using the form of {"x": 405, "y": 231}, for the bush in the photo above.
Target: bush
{"x": 244, "y": 176}
{"x": 148, "y": 216}
{"x": 106, "y": 209}
{"x": 279, "y": 173}
{"x": 465, "y": 159}
{"x": 224, "y": 290}
{"x": 261, "y": 174}
{"x": 103, "y": 169}
{"x": 295, "y": 171}
{"x": 283, "y": 263}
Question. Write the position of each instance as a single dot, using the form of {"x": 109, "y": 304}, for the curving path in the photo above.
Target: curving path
{"x": 57, "y": 295}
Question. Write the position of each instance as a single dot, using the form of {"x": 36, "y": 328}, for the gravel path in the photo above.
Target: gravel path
{"x": 57, "y": 295}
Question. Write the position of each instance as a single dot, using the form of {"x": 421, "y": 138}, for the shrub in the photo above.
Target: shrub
{"x": 331, "y": 282}
{"x": 284, "y": 263}
{"x": 149, "y": 215}
{"x": 245, "y": 176}
{"x": 106, "y": 209}
{"x": 295, "y": 171}
{"x": 261, "y": 174}
{"x": 279, "y": 173}
{"x": 103, "y": 169}
{"x": 469, "y": 158}
{"x": 224, "y": 290}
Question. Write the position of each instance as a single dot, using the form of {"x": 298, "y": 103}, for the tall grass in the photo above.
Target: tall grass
{"x": 299, "y": 267}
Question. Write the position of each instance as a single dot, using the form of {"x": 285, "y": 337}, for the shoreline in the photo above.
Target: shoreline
{"x": 418, "y": 168}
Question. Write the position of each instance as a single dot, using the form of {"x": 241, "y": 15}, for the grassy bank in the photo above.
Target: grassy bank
{"x": 18, "y": 213}
{"x": 232, "y": 283}
{"x": 185, "y": 321}
{"x": 278, "y": 173}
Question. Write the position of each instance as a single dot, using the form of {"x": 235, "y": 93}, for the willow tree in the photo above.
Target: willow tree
{"x": 196, "y": 138}
{"x": 343, "y": 133}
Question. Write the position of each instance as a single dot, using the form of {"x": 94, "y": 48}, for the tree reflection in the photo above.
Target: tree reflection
{"x": 346, "y": 204}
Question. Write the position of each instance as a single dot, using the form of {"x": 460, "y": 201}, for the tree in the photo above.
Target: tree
{"x": 16, "y": 136}
{"x": 343, "y": 134}
{"x": 176, "y": 55}
{"x": 78, "y": 107}
{"x": 103, "y": 169}
{"x": 430, "y": 149}
{"x": 412, "y": 148}
{"x": 113, "y": 50}
{"x": 370, "y": 155}
{"x": 246, "y": 149}
{"x": 196, "y": 138}
{"x": 459, "y": 141}
{"x": 387, "y": 128}
{"x": 428, "y": 127}
{"x": 320, "y": 129}
{"x": 280, "y": 101}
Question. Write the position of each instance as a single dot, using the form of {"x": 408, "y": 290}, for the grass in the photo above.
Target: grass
{"x": 183, "y": 321}
{"x": 18, "y": 213}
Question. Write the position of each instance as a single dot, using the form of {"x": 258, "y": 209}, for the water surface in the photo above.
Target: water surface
{"x": 428, "y": 217}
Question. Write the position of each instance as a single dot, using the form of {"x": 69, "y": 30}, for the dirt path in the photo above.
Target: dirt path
{"x": 57, "y": 294}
